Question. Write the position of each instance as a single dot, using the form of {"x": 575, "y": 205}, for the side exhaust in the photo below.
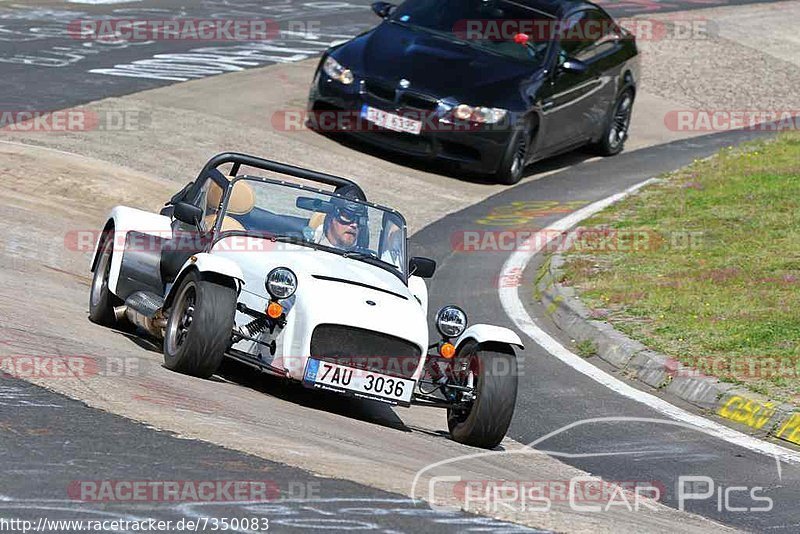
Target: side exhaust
{"x": 120, "y": 312}
{"x": 144, "y": 310}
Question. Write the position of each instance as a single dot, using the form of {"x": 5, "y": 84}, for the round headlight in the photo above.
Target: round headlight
{"x": 451, "y": 321}
{"x": 281, "y": 283}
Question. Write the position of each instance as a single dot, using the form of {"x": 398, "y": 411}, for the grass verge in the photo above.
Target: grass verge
{"x": 704, "y": 266}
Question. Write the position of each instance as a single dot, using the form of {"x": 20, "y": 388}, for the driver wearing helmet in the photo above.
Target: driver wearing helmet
{"x": 343, "y": 224}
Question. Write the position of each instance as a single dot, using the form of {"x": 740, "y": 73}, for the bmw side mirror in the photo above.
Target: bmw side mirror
{"x": 574, "y": 65}
{"x": 188, "y": 213}
{"x": 382, "y": 9}
{"x": 422, "y": 267}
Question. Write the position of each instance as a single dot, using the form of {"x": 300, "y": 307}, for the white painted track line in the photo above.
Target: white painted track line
{"x": 509, "y": 298}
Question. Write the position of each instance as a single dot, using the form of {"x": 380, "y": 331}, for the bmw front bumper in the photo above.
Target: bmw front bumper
{"x": 336, "y": 108}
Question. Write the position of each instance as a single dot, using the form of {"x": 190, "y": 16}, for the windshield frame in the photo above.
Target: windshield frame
{"x": 219, "y": 234}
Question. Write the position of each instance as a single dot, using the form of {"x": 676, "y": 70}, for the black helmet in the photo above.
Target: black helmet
{"x": 345, "y": 209}
{"x": 351, "y": 191}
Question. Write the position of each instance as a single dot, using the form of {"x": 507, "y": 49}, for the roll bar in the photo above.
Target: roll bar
{"x": 268, "y": 165}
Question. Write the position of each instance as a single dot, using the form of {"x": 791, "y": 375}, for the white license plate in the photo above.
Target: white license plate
{"x": 391, "y": 121}
{"x": 362, "y": 383}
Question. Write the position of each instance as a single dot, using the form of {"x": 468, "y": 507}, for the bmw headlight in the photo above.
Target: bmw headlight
{"x": 336, "y": 71}
{"x": 281, "y": 283}
{"x": 480, "y": 114}
{"x": 451, "y": 321}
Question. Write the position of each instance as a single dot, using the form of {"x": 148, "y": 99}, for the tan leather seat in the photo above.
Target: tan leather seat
{"x": 229, "y": 224}
{"x": 316, "y": 220}
{"x": 242, "y": 202}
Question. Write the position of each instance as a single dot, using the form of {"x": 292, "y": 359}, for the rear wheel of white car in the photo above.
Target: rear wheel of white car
{"x": 484, "y": 421}
{"x": 200, "y": 326}
{"x": 101, "y": 300}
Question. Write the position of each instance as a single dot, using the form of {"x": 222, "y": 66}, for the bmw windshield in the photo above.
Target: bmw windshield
{"x": 493, "y": 26}
{"x": 286, "y": 212}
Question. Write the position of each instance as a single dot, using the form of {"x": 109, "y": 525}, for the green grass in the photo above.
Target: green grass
{"x": 714, "y": 277}
{"x": 586, "y": 348}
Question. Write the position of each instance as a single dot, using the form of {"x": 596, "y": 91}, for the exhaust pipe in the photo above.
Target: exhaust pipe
{"x": 145, "y": 311}
{"x": 155, "y": 326}
{"x": 120, "y": 312}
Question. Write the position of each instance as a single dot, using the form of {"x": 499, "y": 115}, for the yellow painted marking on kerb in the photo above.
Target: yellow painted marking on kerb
{"x": 522, "y": 212}
{"x": 747, "y": 411}
{"x": 790, "y": 430}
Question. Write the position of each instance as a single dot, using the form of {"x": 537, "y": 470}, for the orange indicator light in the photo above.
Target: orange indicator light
{"x": 447, "y": 350}
{"x": 274, "y": 310}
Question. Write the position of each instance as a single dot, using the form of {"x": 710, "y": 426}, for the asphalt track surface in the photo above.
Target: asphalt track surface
{"x": 44, "y": 67}
{"x": 553, "y": 395}
{"x": 52, "y": 443}
{"x": 43, "y": 447}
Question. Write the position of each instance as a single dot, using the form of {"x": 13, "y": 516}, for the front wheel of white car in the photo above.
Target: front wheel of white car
{"x": 200, "y": 326}
{"x": 483, "y": 420}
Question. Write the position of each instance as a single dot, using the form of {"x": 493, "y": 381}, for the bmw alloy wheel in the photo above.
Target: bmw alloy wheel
{"x": 621, "y": 121}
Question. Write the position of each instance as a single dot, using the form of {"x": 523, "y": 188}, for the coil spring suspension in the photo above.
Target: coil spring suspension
{"x": 255, "y": 327}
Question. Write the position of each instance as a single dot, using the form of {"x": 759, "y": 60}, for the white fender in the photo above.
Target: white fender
{"x": 209, "y": 263}
{"x": 125, "y": 220}
{"x": 483, "y": 333}
{"x": 419, "y": 289}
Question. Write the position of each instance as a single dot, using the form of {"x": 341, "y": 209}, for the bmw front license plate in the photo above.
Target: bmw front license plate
{"x": 359, "y": 382}
{"x": 391, "y": 121}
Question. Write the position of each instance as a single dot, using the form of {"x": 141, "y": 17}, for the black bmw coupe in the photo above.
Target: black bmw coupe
{"x": 491, "y": 85}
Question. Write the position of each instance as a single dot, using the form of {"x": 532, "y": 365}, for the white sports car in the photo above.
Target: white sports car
{"x": 307, "y": 282}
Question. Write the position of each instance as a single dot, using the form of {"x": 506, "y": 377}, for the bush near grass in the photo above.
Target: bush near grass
{"x": 714, "y": 280}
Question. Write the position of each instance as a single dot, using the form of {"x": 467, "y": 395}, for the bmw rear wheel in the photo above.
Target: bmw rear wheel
{"x": 616, "y": 131}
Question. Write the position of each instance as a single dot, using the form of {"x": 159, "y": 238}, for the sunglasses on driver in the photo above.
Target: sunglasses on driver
{"x": 346, "y": 217}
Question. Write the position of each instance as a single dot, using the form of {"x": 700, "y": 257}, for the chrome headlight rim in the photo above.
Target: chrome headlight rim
{"x": 281, "y": 283}
{"x": 337, "y": 71}
{"x": 447, "y": 323}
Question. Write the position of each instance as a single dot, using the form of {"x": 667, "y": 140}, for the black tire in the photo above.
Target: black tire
{"x": 487, "y": 420}
{"x": 512, "y": 166}
{"x": 618, "y": 122}
{"x": 200, "y": 325}
{"x": 101, "y": 300}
